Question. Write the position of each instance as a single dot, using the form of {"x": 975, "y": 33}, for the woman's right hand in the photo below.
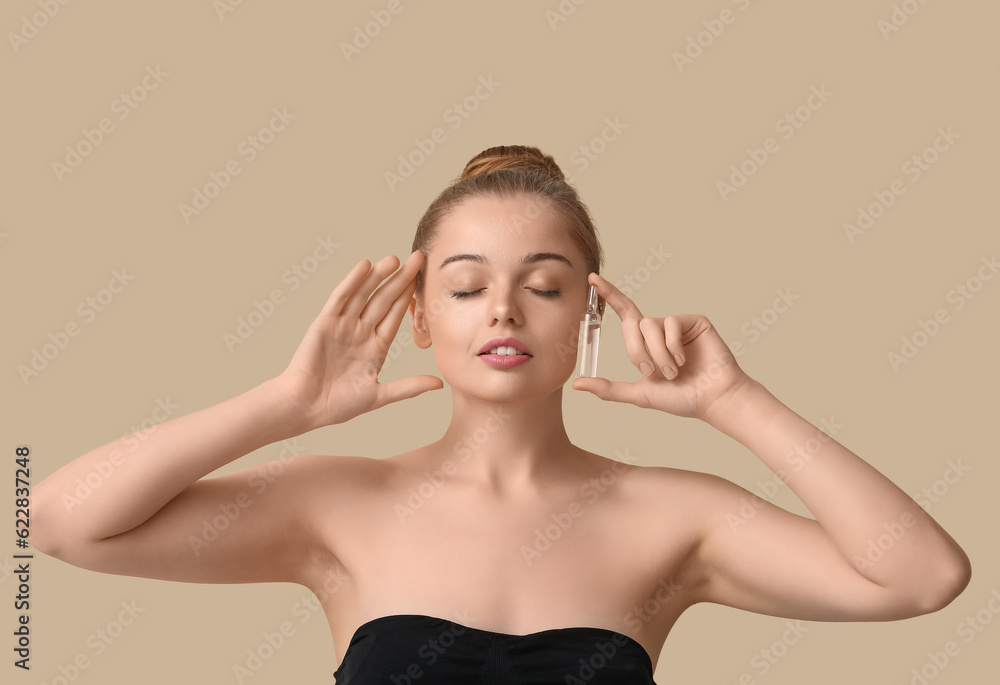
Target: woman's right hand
{"x": 333, "y": 375}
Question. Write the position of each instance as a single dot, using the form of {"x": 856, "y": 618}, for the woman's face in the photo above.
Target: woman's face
{"x": 503, "y": 268}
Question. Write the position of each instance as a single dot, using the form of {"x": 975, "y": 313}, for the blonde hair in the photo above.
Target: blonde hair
{"x": 508, "y": 171}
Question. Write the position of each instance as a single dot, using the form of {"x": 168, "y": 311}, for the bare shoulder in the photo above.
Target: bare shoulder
{"x": 688, "y": 504}
{"x": 670, "y": 486}
{"x": 270, "y": 522}
{"x": 682, "y": 499}
{"x": 323, "y": 466}
{"x": 324, "y": 479}
{"x": 329, "y": 495}
{"x": 701, "y": 500}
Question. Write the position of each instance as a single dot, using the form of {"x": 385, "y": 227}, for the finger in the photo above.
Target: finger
{"x": 630, "y": 316}
{"x": 359, "y": 298}
{"x": 389, "y": 325}
{"x": 388, "y": 294}
{"x": 673, "y": 331}
{"x": 406, "y": 388}
{"x": 635, "y": 346}
{"x": 623, "y": 306}
{"x": 612, "y": 391}
{"x": 338, "y": 298}
{"x": 656, "y": 346}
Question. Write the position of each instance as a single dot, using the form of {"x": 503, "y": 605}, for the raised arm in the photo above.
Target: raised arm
{"x": 135, "y": 485}
{"x": 771, "y": 561}
{"x": 154, "y": 504}
{"x": 754, "y": 555}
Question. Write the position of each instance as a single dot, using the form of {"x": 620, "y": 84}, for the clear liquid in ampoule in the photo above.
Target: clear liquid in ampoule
{"x": 590, "y": 336}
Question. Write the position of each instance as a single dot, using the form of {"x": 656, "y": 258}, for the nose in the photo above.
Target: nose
{"x": 504, "y": 307}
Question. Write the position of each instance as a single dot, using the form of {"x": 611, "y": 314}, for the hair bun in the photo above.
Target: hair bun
{"x": 515, "y": 157}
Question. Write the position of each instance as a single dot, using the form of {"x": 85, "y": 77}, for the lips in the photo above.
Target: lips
{"x": 494, "y": 343}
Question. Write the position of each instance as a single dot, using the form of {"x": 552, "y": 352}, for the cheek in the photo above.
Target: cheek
{"x": 564, "y": 334}
{"x": 450, "y": 326}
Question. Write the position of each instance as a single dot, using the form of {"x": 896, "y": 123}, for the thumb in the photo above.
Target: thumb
{"x": 605, "y": 389}
{"x": 408, "y": 387}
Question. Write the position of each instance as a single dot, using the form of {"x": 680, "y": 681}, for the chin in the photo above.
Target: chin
{"x": 508, "y": 391}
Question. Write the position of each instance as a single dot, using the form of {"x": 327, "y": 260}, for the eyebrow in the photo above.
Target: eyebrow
{"x": 530, "y": 258}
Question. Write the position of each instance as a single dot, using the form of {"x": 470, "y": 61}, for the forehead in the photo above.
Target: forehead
{"x": 512, "y": 225}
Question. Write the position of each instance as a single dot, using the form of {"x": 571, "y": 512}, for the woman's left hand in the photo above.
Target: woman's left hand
{"x": 687, "y": 369}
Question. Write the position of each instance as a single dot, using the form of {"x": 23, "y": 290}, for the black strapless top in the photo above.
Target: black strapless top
{"x": 413, "y": 649}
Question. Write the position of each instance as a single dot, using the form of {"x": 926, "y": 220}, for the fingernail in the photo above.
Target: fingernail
{"x": 668, "y": 373}
{"x": 645, "y": 368}
{"x": 679, "y": 358}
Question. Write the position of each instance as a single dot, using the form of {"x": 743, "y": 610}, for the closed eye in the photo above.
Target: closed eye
{"x": 459, "y": 294}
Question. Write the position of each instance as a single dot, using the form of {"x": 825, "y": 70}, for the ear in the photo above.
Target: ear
{"x": 421, "y": 336}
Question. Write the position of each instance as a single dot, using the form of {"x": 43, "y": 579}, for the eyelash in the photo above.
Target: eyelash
{"x": 459, "y": 295}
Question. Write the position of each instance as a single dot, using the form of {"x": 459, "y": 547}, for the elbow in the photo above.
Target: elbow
{"x": 57, "y": 530}
{"x": 46, "y": 527}
{"x": 949, "y": 581}
{"x": 957, "y": 580}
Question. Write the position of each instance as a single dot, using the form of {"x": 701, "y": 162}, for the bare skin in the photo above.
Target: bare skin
{"x": 503, "y": 524}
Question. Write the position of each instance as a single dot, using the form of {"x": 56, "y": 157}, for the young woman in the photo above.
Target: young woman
{"x": 430, "y": 565}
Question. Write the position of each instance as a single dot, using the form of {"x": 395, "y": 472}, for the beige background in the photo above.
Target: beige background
{"x": 653, "y": 186}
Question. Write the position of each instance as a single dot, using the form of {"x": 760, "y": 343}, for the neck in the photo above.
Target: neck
{"x": 507, "y": 446}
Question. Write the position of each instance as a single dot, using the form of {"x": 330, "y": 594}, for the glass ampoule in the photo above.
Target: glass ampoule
{"x": 590, "y": 337}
